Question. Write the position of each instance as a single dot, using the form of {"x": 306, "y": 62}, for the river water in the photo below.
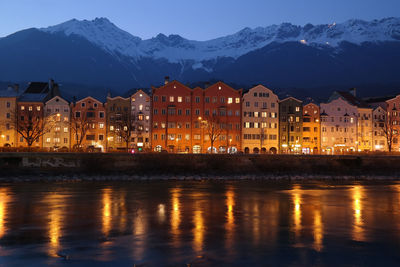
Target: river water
{"x": 250, "y": 223}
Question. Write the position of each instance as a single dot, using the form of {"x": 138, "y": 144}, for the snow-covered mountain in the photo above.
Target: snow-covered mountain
{"x": 176, "y": 49}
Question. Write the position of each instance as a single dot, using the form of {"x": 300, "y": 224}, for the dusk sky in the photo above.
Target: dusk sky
{"x": 198, "y": 20}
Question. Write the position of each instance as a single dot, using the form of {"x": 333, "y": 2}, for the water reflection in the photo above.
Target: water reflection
{"x": 230, "y": 219}
{"x": 198, "y": 222}
{"x": 140, "y": 234}
{"x": 318, "y": 229}
{"x": 4, "y": 199}
{"x": 175, "y": 220}
{"x": 296, "y": 198}
{"x": 55, "y": 202}
{"x": 357, "y": 195}
{"x": 106, "y": 214}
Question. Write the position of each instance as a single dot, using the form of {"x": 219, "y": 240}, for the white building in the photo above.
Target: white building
{"x": 260, "y": 118}
{"x": 378, "y": 137}
{"x": 141, "y": 120}
{"x": 57, "y": 113}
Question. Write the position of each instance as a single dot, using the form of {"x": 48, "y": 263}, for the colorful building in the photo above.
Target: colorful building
{"x": 88, "y": 125}
{"x": 119, "y": 123}
{"x": 8, "y": 109}
{"x": 379, "y": 137}
{"x": 393, "y": 121}
{"x": 311, "y": 129}
{"x": 57, "y": 112}
{"x": 141, "y": 120}
{"x": 260, "y": 118}
{"x": 290, "y": 125}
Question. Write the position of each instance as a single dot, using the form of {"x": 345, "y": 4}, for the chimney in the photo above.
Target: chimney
{"x": 353, "y": 92}
{"x": 166, "y": 81}
{"x": 51, "y": 84}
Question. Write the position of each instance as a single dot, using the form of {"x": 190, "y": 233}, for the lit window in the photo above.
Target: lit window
{"x": 297, "y": 109}
{"x": 237, "y": 100}
{"x": 140, "y": 107}
{"x": 38, "y": 108}
{"x": 101, "y": 125}
{"x": 230, "y": 100}
{"x": 30, "y": 108}
{"x": 133, "y": 99}
{"x": 125, "y": 128}
{"x": 111, "y": 128}
{"x": 22, "y": 107}
{"x": 141, "y": 95}
{"x": 179, "y": 99}
{"x": 65, "y": 129}
{"x": 48, "y": 140}
{"x": 171, "y": 99}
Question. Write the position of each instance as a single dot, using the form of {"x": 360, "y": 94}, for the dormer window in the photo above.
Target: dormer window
{"x": 83, "y": 104}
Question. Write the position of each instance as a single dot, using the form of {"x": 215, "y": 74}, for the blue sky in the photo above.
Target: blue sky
{"x": 198, "y": 20}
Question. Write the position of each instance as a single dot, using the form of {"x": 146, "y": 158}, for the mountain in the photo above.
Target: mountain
{"x": 98, "y": 53}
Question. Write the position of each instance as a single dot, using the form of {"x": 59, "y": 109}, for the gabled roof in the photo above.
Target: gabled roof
{"x": 324, "y": 114}
{"x": 174, "y": 82}
{"x": 37, "y": 88}
{"x": 349, "y": 98}
{"x": 10, "y": 92}
{"x": 290, "y": 97}
{"x": 32, "y": 97}
{"x": 88, "y": 97}
{"x": 220, "y": 83}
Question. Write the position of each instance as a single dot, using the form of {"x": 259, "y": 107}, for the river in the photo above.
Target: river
{"x": 243, "y": 223}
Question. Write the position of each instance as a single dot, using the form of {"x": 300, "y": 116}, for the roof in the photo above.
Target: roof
{"x": 290, "y": 97}
{"x": 350, "y": 98}
{"x": 37, "y": 88}
{"x": 32, "y": 97}
{"x": 8, "y": 93}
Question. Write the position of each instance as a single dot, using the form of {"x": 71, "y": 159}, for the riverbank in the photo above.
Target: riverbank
{"x": 101, "y": 166}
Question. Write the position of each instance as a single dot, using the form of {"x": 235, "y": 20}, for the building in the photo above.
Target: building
{"x": 141, "y": 120}
{"x": 119, "y": 123}
{"x": 379, "y": 137}
{"x": 57, "y": 112}
{"x": 31, "y": 123}
{"x": 393, "y": 123}
{"x": 260, "y": 118}
{"x": 88, "y": 125}
{"x": 364, "y": 119}
{"x": 8, "y": 109}
{"x": 222, "y": 111}
{"x": 311, "y": 129}
{"x": 338, "y": 127}
{"x": 186, "y": 120}
{"x": 290, "y": 125}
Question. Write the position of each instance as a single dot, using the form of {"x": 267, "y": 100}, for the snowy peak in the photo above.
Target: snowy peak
{"x": 175, "y": 48}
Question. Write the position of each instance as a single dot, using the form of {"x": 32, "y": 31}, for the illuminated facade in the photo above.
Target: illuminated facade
{"x": 88, "y": 114}
{"x": 378, "y": 135}
{"x": 8, "y": 109}
{"x": 182, "y": 118}
{"x": 290, "y": 125}
{"x": 393, "y": 113}
{"x": 338, "y": 127}
{"x": 119, "y": 123}
{"x": 311, "y": 129}
{"x": 260, "y": 119}
{"x": 57, "y": 112}
{"x": 141, "y": 119}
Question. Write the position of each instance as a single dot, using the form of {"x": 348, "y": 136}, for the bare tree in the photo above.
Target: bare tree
{"x": 124, "y": 126}
{"x": 389, "y": 130}
{"x": 79, "y": 124}
{"x": 31, "y": 126}
{"x": 212, "y": 126}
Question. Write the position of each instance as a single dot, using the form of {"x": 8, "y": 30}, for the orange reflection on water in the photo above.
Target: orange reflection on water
{"x": 175, "y": 219}
{"x": 318, "y": 229}
{"x": 297, "y": 209}
{"x": 106, "y": 213}
{"x": 55, "y": 217}
{"x": 357, "y": 195}
{"x": 4, "y": 199}
{"x": 230, "y": 218}
{"x": 139, "y": 231}
{"x": 198, "y": 230}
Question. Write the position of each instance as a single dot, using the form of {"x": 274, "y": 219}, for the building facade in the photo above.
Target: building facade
{"x": 88, "y": 125}
{"x": 57, "y": 112}
{"x": 379, "y": 137}
{"x": 186, "y": 120}
{"x": 311, "y": 129}
{"x": 260, "y": 119}
{"x": 290, "y": 125}
{"x": 8, "y": 109}
{"x": 119, "y": 123}
{"x": 393, "y": 121}
{"x": 141, "y": 120}
{"x": 338, "y": 127}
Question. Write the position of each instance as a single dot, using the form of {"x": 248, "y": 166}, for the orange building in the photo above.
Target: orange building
{"x": 311, "y": 129}
{"x": 88, "y": 124}
{"x": 182, "y": 118}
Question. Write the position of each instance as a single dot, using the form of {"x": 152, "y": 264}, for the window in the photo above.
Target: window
{"x": 101, "y": 125}
{"x": 196, "y": 137}
{"x": 197, "y": 99}
{"x": 57, "y": 140}
{"x": 155, "y": 111}
{"x": 140, "y": 107}
{"x": 77, "y": 114}
{"x": 230, "y": 100}
{"x": 48, "y": 140}
{"x": 237, "y": 100}
{"x": 111, "y": 128}
{"x": 297, "y": 109}
{"x": 171, "y": 99}
{"x": 188, "y": 99}
{"x": 95, "y": 105}
{"x": 38, "y": 108}
{"x": 163, "y": 98}
{"x": 90, "y": 137}
{"x": 155, "y": 98}
{"x": 179, "y": 99}
{"x": 101, "y": 114}
{"x": 207, "y": 99}
{"x": 22, "y": 107}
{"x": 187, "y": 112}
{"x": 65, "y": 140}
{"x": 247, "y": 104}
{"x": 83, "y": 104}
{"x": 30, "y": 108}
{"x": 101, "y": 137}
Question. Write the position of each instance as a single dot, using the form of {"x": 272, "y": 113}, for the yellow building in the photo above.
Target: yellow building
{"x": 8, "y": 106}
{"x": 311, "y": 129}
